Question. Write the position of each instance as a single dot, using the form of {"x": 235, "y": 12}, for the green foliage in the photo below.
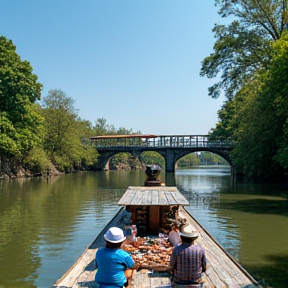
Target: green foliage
{"x": 102, "y": 128}
{"x": 243, "y": 46}
{"x": 152, "y": 157}
{"x": 276, "y": 92}
{"x": 251, "y": 53}
{"x": 189, "y": 160}
{"x": 66, "y": 140}
{"x": 8, "y": 145}
{"x": 126, "y": 159}
{"x": 226, "y": 124}
{"x": 262, "y": 129}
{"x": 18, "y": 85}
{"x": 20, "y": 122}
{"x": 37, "y": 161}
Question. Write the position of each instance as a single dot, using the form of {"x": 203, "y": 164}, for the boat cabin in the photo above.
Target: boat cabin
{"x": 152, "y": 209}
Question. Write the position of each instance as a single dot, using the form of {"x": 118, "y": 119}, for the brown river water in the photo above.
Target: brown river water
{"x": 45, "y": 224}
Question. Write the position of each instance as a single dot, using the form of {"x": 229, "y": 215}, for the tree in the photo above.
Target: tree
{"x": 18, "y": 86}
{"x": 152, "y": 157}
{"x": 276, "y": 92}
{"x": 21, "y": 125}
{"x": 244, "y": 46}
{"x": 261, "y": 137}
{"x": 66, "y": 139}
{"x": 59, "y": 113}
{"x": 189, "y": 160}
{"x": 102, "y": 128}
{"x": 225, "y": 127}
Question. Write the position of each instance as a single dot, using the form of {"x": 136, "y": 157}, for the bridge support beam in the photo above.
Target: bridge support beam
{"x": 104, "y": 159}
{"x": 169, "y": 161}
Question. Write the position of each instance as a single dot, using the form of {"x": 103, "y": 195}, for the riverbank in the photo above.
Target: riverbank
{"x": 13, "y": 169}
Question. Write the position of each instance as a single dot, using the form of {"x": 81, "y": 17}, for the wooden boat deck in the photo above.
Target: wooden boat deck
{"x": 222, "y": 272}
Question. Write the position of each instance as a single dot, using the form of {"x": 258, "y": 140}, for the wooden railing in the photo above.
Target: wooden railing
{"x": 161, "y": 141}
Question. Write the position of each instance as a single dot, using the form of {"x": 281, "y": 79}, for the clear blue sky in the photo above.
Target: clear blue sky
{"x": 135, "y": 63}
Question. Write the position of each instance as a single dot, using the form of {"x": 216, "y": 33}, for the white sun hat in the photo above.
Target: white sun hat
{"x": 187, "y": 231}
{"x": 114, "y": 235}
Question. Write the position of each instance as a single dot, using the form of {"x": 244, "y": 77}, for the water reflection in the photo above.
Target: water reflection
{"x": 248, "y": 220}
{"x": 46, "y": 225}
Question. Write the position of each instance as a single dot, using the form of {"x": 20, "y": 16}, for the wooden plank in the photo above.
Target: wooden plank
{"x": 218, "y": 258}
{"x": 147, "y": 197}
{"x": 181, "y": 200}
{"x": 162, "y": 198}
{"x": 155, "y": 197}
{"x": 71, "y": 277}
{"x": 173, "y": 196}
{"x": 137, "y": 200}
{"x": 170, "y": 199}
{"x": 211, "y": 279}
{"x": 127, "y": 197}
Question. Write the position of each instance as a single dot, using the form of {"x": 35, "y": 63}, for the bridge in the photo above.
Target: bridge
{"x": 171, "y": 147}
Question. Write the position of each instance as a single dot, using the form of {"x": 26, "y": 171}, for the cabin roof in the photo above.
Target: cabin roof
{"x": 155, "y": 195}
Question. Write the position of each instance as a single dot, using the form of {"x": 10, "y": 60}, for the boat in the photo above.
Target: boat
{"x": 152, "y": 209}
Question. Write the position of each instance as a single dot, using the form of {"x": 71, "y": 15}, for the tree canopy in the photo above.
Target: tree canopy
{"x": 243, "y": 46}
{"x": 20, "y": 121}
{"x": 66, "y": 135}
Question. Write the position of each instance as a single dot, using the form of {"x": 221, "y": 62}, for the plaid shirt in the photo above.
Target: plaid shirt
{"x": 188, "y": 262}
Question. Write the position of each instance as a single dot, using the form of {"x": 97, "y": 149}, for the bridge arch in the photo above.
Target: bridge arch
{"x": 105, "y": 158}
{"x": 214, "y": 151}
{"x": 172, "y": 148}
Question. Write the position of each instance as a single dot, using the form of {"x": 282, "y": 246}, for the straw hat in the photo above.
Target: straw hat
{"x": 187, "y": 231}
{"x": 114, "y": 235}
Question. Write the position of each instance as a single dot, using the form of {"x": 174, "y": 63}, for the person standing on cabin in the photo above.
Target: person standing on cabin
{"x": 111, "y": 261}
{"x": 188, "y": 260}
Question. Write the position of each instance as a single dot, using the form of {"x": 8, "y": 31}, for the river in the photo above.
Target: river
{"x": 45, "y": 224}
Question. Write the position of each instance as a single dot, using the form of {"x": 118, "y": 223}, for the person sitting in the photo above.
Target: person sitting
{"x": 188, "y": 260}
{"x": 174, "y": 236}
{"x": 111, "y": 261}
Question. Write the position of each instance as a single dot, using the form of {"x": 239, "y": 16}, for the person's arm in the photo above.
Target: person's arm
{"x": 96, "y": 265}
{"x": 131, "y": 266}
{"x": 204, "y": 262}
{"x": 173, "y": 258}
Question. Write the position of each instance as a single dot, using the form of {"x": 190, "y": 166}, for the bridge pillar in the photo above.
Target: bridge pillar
{"x": 104, "y": 159}
{"x": 169, "y": 161}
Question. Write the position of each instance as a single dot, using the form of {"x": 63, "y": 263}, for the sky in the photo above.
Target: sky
{"x": 135, "y": 63}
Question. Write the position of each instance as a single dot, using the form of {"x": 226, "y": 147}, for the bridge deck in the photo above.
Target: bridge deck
{"x": 158, "y": 141}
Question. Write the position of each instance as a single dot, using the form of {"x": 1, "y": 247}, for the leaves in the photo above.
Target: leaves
{"x": 67, "y": 138}
{"x": 243, "y": 47}
{"x": 18, "y": 85}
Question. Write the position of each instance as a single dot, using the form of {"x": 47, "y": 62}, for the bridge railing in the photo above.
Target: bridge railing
{"x": 163, "y": 141}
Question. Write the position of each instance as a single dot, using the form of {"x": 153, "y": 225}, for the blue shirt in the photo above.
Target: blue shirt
{"x": 111, "y": 264}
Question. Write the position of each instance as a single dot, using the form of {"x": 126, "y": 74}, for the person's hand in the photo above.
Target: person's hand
{"x": 136, "y": 266}
{"x": 128, "y": 273}
{"x": 169, "y": 268}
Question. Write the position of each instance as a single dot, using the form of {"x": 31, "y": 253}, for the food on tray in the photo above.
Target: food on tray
{"x": 150, "y": 254}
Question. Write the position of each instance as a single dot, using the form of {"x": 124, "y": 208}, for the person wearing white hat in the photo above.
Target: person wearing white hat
{"x": 188, "y": 260}
{"x": 111, "y": 261}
